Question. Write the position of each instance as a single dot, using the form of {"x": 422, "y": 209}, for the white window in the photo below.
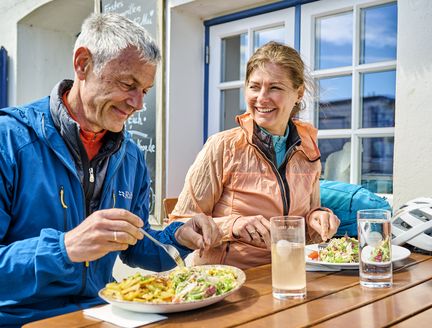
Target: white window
{"x": 231, "y": 46}
{"x": 350, "y": 47}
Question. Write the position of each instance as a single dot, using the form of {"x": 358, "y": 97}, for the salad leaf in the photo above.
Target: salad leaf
{"x": 340, "y": 250}
{"x": 192, "y": 284}
{"x": 381, "y": 253}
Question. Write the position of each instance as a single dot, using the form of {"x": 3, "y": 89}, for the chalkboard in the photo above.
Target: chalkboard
{"x": 142, "y": 125}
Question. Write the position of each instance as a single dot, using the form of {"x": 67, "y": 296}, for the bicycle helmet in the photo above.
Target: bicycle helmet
{"x": 412, "y": 224}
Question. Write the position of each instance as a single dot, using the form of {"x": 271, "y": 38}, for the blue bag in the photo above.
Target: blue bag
{"x": 345, "y": 199}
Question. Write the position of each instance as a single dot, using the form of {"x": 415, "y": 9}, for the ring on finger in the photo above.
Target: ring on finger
{"x": 252, "y": 233}
{"x": 115, "y": 235}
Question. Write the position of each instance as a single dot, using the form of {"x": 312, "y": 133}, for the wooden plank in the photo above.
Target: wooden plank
{"x": 74, "y": 319}
{"x": 388, "y": 310}
{"x": 335, "y": 304}
{"x": 419, "y": 320}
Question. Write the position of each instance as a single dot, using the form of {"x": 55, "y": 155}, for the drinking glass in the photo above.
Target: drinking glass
{"x": 288, "y": 256}
{"x": 375, "y": 253}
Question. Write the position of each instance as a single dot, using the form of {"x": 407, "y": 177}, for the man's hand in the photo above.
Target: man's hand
{"x": 103, "y": 232}
{"x": 325, "y": 223}
{"x": 254, "y": 230}
{"x": 200, "y": 232}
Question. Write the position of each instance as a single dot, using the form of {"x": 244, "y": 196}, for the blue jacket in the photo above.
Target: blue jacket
{"x": 41, "y": 198}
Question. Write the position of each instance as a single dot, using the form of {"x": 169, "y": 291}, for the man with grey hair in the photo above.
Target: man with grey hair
{"x": 74, "y": 188}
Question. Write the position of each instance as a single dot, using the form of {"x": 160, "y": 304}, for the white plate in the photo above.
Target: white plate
{"x": 367, "y": 254}
{"x": 177, "y": 307}
{"x": 398, "y": 253}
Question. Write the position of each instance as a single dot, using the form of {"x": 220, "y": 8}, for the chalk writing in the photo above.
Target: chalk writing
{"x": 110, "y": 7}
{"x": 141, "y": 133}
{"x": 144, "y": 142}
{"x": 132, "y": 10}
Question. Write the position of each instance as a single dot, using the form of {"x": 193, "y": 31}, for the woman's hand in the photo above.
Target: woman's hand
{"x": 254, "y": 230}
{"x": 325, "y": 223}
{"x": 200, "y": 232}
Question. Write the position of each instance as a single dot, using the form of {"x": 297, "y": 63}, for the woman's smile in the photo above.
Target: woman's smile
{"x": 265, "y": 110}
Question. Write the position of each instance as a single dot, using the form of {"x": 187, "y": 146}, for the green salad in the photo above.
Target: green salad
{"x": 195, "y": 283}
{"x": 340, "y": 250}
{"x": 381, "y": 253}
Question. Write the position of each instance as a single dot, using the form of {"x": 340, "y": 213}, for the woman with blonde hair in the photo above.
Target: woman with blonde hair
{"x": 268, "y": 166}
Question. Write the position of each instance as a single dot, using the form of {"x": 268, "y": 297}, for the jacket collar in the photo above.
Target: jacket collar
{"x": 70, "y": 129}
{"x": 298, "y": 130}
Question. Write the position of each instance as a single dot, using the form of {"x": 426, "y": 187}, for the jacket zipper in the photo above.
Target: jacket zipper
{"x": 88, "y": 188}
{"x": 289, "y": 153}
{"x": 88, "y": 181}
{"x": 91, "y": 175}
{"x": 279, "y": 180}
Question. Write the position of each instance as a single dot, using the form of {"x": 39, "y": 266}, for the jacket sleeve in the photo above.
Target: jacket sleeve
{"x": 203, "y": 187}
{"x": 146, "y": 254}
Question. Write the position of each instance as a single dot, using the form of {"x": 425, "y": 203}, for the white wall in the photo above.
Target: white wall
{"x": 413, "y": 133}
{"x": 11, "y": 12}
{"x": 185, "y": 81}
{"x": 44, "y": 57}
{"x": 184, "y": 96}
{"x": 39, "y": 37}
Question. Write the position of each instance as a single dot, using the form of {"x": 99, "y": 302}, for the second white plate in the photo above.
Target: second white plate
{"x": 398, "y": 253}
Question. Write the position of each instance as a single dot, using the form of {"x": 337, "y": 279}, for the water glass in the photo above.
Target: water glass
{"x": 288, "y": 257}
{"x": 375, "y": 253}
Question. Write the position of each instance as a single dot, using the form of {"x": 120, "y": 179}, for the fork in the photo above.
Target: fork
{"x": 322, "y": 245}
{"x": 171, "y": 250}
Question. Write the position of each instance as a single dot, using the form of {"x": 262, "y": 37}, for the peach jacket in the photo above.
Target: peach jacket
{"x": 232, "y": 176}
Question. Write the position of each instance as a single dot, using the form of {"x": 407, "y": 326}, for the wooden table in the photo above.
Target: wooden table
{"x": 334, "y": 299}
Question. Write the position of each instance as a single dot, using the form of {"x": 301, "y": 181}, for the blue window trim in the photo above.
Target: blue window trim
{"x": 3, "y": 78}
{"x": 283, "y": 4}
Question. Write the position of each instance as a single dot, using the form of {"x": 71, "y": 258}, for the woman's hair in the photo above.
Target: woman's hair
{"x": 285, "y": 57}
{"x": 107, "y": 35}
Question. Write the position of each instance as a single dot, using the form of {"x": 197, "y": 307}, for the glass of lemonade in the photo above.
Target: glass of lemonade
{"x": 288, "y": 256}
{"x": 375, "y": 253}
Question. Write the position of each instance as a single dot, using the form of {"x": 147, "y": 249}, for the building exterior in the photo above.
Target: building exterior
{"x": 371, "y": 61}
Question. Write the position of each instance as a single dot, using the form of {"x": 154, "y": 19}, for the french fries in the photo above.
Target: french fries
{"x": 140, "y": 288}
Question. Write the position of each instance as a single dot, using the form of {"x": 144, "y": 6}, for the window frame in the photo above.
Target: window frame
{"x": 309, "y": 13}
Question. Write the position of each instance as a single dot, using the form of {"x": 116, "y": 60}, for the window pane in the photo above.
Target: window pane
{"x": 335, "y": 159}
{"x": 233, "y": 57}
{"x": 377, "y": 164}
{"x": 333, "y": 41}
{"x": 378, "y": 33}
{"x": 232, "y": 102}
{"x": 334, "y": 104}
{"x": 270, "y": 34}
{"x": 378, "y": 99}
